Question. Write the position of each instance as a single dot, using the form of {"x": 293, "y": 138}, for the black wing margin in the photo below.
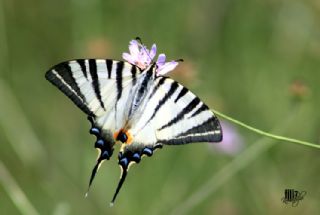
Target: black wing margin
{"x": 62, "y": 77}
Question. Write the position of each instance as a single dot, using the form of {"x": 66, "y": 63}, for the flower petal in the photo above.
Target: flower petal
{"x": 142, "y": 57}
{"x": 167, "y": 67}
{"x": 128, "y": 58}
{"x": 161, "y": 60}
{"x": 145, "y": 59}
{"x": 153, "y": 51}
{"x": 232, "y": 142}
{"x": 134, "y": 48}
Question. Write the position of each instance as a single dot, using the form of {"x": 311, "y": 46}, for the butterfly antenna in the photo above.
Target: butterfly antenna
{"x": 93, "y": 174}
{"x": 124, "y": 170}
{"x": 139, "y": 40}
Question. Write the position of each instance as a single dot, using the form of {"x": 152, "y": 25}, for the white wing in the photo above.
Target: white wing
{"x": 169, "y": 114}
{"x": 96, "y": 86}
{"x": 101, "y": 89}
{"x": 173, "y": 115}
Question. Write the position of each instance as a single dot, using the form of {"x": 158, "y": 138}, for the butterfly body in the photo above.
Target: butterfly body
{"x": 139, "y": 108}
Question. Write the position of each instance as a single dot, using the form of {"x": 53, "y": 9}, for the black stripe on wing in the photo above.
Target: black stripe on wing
{"x": 95, "y": 80}
{"x": 181, "y": 94}
{"x": 191, "y": 139}
{"x": 210, "y": 125}
{"x": 159, "y": 84}
{"x": 134, "y": 75}
{"x": 61, "y": 76}
{"x": 202, "y": 108}
{"x": 119, "y": 69}
{"x": 174, "y": 86}
{"x": 184, "y": 111}
{"x": 82, "y": 64}
{"x": 208, "y": 131}
{"x": 141, "y": 90}
{"x": 109, "y": 67}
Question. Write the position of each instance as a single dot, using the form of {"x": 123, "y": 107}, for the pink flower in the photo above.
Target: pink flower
{"x": 232, "y": 142}
{"x": 164, "y": 67}
{"x": 143, "y": 57}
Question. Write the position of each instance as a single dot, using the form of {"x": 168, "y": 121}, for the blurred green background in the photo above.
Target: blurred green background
{"x": 257, "y": 61}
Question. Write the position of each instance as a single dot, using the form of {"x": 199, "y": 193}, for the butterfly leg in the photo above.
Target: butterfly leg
{"x": 127, "y": 158}
{"x": 104, "y": 145}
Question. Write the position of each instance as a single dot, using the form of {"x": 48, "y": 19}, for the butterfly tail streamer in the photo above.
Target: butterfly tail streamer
{"x": 263, "y": 133}
{"x": 124, "y": 171}
{"x": 93, "y": 174}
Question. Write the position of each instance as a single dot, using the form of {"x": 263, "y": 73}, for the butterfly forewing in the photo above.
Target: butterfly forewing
{"x": 94, "y": 85}
{"x": 169, "y": 114}
{"x": 174, "y": 115}
{"x": 101, "y": 89}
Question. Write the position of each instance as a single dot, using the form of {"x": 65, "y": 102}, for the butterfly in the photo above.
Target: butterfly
{"x": 135, "y": 105}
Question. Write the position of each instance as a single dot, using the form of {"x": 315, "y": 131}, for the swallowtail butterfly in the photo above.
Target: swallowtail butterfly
{"x": 138, "y": 107}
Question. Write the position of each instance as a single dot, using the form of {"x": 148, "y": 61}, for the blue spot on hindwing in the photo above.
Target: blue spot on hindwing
{"x": 124, "y": 162}
{"x": 99, "y": 144}
{"x": 147, "y": 151}
{"x": 105, "y": 155}
{"x": 95, "y": 131}
{"x": 136, "y": 157}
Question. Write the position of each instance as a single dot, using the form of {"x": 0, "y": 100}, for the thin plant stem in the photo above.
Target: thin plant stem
{"x": 4, "y": 51}
{"x": 35, "y": 152}
{"x": 17, "y": 128}
{"x": 15, "y": 192}
{"x": 263, "y": 133}
{"x": 222, "y": 176}
{"x": 231, "y": 169}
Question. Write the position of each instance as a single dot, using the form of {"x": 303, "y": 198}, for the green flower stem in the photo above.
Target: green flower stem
{"x": 12, "y": 116}
{"x": 16, "y": 194}
{"x": 263, "y": 133}
{"x": 240, "y": 162}
{"x": 223, "y": 175}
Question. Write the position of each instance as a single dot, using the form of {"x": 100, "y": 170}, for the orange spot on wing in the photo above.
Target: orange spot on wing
{"x": 130, "y": 137}
{"x": 115, "y": 134}
{"x": 128, "y": 134}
